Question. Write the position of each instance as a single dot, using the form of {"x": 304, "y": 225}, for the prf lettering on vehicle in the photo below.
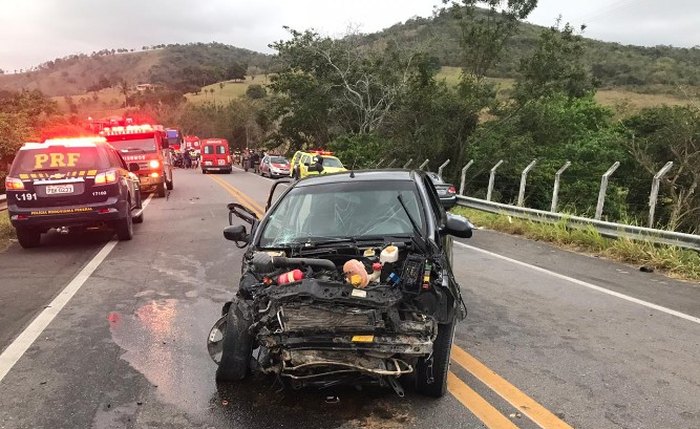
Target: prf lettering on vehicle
{"x": 55, "y": 160}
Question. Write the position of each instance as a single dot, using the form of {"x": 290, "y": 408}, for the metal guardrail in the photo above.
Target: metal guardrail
{"x": 607, "y": 229}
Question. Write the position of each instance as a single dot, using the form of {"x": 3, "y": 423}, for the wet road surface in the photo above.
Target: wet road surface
{"x": 129, "y": 348}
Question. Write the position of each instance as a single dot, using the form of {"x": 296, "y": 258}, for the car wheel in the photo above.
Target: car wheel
{"x": 125, "y": 228}
{"x": 28, "y": 238}
{"x": 431, "y": 374}
{"x": 160, "y": 191}
{"x": 236, "y": 347}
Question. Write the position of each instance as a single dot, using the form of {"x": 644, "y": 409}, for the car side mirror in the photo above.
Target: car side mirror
{"x": 238, "y": 234}
{"x": 133, "y": 167}
{"x": 457, "y": 226}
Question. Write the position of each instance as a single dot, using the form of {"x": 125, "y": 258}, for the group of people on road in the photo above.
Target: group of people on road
{"x": 250, "y": 159}
{"x": 187, "y": 158}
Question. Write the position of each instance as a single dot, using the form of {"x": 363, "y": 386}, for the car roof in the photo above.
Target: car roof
{"x": 360, "y": 175}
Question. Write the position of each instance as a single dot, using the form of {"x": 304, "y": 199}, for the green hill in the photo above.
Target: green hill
{"x": 652, "y": 69}
{"x": 183, "y": 66}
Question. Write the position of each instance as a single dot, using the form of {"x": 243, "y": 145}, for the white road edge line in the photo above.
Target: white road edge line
{"x": 587, "y": 285}
{"x": 11, "y": 355}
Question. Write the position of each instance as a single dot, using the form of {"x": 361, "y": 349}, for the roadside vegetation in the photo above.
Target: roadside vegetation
{"x": 676, "y": 262}
{"x": 7, "y": 232}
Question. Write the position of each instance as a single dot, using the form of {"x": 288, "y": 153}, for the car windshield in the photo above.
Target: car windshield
{"x": 279, "y": 160}
{"x": 343, "y": 210}
{"x": 58, "y": 159}
{"x": 134, "y": 145}
{"x": 331, "y": 162}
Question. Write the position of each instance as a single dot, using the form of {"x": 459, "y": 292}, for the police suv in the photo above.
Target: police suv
{"x": 72, "y": 183}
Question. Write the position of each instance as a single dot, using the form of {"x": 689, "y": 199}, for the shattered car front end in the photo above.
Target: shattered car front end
{"x": 360, "y": 309}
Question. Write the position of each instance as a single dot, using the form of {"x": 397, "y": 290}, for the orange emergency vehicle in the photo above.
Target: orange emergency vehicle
{"x": 147, "y": 146}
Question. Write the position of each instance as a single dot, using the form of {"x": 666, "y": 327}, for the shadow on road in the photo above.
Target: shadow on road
{"x": 259, "y": 402}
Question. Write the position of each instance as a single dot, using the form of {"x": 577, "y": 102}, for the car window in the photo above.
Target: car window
{"x": 114, "y": 159}
{"x": 331, "y": 162}
{"x": 59, "y": 159}
{"x": 221, "y": 149}
{"x": 208, "y": 150}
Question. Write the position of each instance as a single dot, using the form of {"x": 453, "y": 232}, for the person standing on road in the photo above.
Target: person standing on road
{"x": 187, "y": 158}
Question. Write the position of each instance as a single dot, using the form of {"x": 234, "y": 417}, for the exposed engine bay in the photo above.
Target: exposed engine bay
{"x": 341, "y": 314}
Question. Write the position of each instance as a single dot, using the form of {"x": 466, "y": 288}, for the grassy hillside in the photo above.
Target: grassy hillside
{"x": 171, "y": 65}
{"x": 226, "y": 91}
{"x": 619, "y": 98}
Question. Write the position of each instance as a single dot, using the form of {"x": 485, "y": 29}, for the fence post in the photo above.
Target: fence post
{"x": 523, "y": 180}
{"x": 555, "y": 192}
{"x": 380, "y": 161}
{"x": 464, "y": 176}
{"x": 408, "y": 163}
{"x": 492, "y": 178}
{"x": 444, "y": 164}
{"x": 422, "y": 166}
{"x": 603, "y": 189}
{"x": 655, "y": 191}
{"x": 391, "y": 163}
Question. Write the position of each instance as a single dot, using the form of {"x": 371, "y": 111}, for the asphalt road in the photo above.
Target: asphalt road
{"x": 541, "y": 347}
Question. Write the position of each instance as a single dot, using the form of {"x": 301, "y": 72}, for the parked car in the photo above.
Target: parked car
{"x": 446, "y": 191}
{"x": 274, "y": 166}
{"x": 346, "y": 279}
{"x": 314, "y": 163}
{"x": 72, "y": 184}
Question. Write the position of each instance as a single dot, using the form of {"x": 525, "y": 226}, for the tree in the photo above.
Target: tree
{"x": 662, "y": 134}
{"x": 124, "y": 90}
{"x": 255, "y": 92}
{"x": 556, "y": 66}
{"x": 484, "y": 34}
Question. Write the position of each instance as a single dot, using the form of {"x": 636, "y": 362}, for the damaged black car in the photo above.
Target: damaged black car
{"x": 347, "y": 279}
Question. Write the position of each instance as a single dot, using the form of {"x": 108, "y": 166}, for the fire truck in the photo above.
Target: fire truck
{"x": 147, "y": 146}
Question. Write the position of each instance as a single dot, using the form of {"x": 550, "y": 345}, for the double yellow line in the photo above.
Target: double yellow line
{"x": 486, "y": 412}
{"x": 240, "y": 196}
{"x": 480, "y": 407}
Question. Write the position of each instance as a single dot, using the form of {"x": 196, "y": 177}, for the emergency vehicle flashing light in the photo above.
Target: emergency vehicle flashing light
{"x": 321, "y": 152}
{"x": 75, "y": 140}
{"x": 129, "y": 129}
{"x": 154, "y": 163}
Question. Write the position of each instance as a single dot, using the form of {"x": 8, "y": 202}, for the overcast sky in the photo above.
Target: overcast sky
{"x": 34, "y": 31}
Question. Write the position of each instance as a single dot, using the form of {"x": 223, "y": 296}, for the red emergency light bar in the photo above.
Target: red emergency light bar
{"x": 130, "y": 129}
{"x": 321, "y": 152}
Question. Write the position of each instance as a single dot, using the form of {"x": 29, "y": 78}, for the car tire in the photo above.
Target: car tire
{"x": 434, "y": 382}
{"x": 229, "y": 171}
{"x": 28, "y": 238}
{"x": 236, "y": 348}
{"x": 125, "y": 228}
{"x": 161, "y": 190}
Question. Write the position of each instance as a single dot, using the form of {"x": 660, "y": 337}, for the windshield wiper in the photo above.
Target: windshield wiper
{"x": 133, "y": 149}
{"x": 44, "y": 170}
{"x": 423, "y": 243}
